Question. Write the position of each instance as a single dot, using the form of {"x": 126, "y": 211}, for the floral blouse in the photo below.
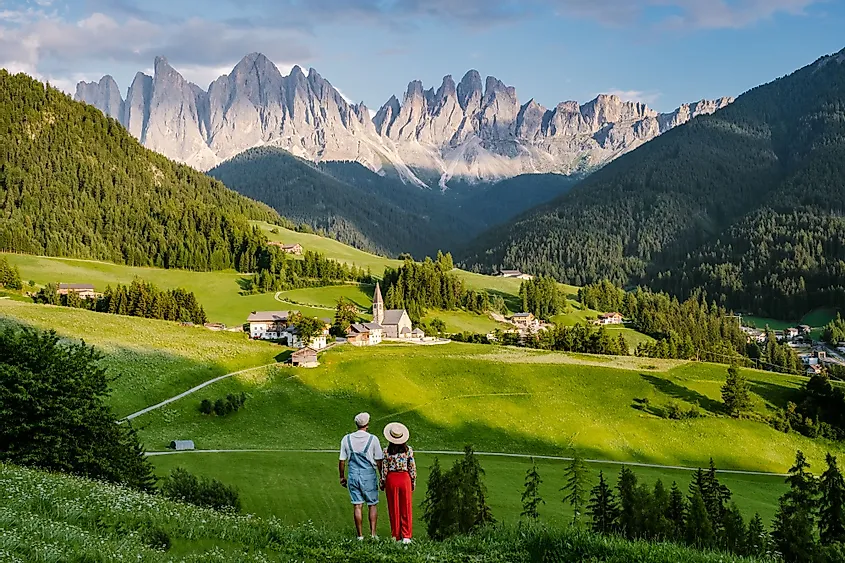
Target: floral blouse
{"x": 399, "y": 462}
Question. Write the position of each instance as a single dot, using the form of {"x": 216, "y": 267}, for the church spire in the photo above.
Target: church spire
{"x": 378, "y": 305}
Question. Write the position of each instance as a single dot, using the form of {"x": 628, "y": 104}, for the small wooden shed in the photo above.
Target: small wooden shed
{"x": 182, "y": 445}
{"x": 304, "y": 358}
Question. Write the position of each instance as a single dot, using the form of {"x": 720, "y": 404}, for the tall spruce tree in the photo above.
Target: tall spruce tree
{"x": 531, "y": 499}
{"x": 602, "y": 508}
{"x": 794, "y": 526}
{"x": 675, "y": 512}
{"x": 437, "y": 504}
{"x": 659, "y": 527}
{"x": 629, "y": 513}
{"x": 699, "y": 529}
{"x": 575, "y": 486}
{"x": 832, "y": 504}
{"x": 734, "y": 532}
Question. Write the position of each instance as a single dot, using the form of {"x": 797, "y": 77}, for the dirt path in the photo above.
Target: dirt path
{"x": 193, "y": 390}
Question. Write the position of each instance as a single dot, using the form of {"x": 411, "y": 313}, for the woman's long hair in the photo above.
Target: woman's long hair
{"x": 394, "y": 449}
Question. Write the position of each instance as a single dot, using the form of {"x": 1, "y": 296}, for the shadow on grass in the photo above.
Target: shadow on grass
{"x": 245, "y": 285}
{"x": 512, "y": 302}
{"x": 776, "y": 396}
{"x": 679, "y": 392}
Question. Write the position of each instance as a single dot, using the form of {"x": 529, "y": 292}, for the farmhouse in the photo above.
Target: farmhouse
{"x": 365, "y": 334}
{"x": 610, "y": 319}
{"x": 791, "y": 333}
{"x": 319, "y": 342}
{"x": 268, "y": 325}
{"x": 515, "y": 274}
{"x": 304, "y": 358}
{"x": 805, "y": 329}
{"x": 395, "y": 322}
{"x": 287, "y": 248}
{"x": 83, "y": 290}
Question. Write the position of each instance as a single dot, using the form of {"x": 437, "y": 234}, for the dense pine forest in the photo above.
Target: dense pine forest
{"x": 74, "y": 183}
{"x": 747, "y": 204}
{"x": 279, "y": 273}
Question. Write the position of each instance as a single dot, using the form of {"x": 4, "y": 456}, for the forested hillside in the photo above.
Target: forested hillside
{"x": 378, "y": 212}
{"x": 747, "y": 203}
{"x": 74, "y": 183}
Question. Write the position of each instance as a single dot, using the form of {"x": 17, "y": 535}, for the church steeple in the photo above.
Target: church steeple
{"x": 378, "y": 305}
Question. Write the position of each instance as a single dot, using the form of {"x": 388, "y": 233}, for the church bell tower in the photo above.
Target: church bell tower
{"x": 378, "y": 306}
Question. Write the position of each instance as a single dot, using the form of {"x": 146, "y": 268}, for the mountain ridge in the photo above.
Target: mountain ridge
{"x": 472, "y": 130}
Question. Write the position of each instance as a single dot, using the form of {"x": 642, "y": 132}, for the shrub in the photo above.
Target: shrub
{"x": 222, "y": 407}
{"x": 200, "y": 491}
{"x": 156, "y": 538}
{"x": 674, "y": 411}
{"x": 206, "y": 407}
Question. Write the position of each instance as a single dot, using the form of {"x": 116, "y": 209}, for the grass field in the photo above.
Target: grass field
{"x": 817, "y": 319}
{"x": 46, "y": 518}
{"x": 302, "y": 487}
{"x": 151, "y": 360}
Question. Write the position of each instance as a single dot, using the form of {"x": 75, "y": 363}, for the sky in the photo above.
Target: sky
{"x": 661, "y": 52}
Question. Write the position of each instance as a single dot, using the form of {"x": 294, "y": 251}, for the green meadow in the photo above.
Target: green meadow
{"x": 498, "y": 399}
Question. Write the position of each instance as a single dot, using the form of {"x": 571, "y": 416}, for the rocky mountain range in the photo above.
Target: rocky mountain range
{"x": 472, "y": 130}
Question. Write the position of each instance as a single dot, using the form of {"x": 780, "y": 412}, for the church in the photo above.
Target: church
{"x": 395, "y": 322}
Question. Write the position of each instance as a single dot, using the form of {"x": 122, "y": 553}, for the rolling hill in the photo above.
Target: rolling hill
{"x": 746, "y": 203}
{"x": 74, "y": 183}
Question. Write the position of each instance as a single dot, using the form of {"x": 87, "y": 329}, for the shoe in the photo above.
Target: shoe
{"x": 406, "y": 541}
{"x": 374, "y": 538}
{"x": 360, "y": 538}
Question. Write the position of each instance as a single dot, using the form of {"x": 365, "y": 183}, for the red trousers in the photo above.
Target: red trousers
{"x": 400, "y": 504}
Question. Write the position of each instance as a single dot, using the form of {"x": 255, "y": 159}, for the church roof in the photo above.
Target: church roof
{"x": 377, "y": 299}
{"x": 392, "y": 316}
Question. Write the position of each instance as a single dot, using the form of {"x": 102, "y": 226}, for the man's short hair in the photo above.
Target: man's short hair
{"x": 362, "y": 419}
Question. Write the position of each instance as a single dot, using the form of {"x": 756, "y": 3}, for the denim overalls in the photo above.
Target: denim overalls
{"x": 362, "y": 481}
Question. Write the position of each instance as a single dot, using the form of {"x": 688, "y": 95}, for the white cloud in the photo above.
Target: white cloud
{"x": 648, "y": 98}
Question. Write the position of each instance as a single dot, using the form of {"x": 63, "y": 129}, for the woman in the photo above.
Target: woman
{"x": 399, "y": 477}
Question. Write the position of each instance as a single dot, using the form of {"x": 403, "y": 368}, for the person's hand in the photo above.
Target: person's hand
{"x": 343, "y": 482}
{"x": 381, "y": 484}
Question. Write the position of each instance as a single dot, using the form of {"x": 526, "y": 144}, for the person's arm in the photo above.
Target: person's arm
{"x": 341, "y": 465}
{"x": 382, "y": 472}
{"x": 412, "y": 469}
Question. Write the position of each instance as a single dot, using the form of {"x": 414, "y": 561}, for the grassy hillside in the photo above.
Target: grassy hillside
{"x": 48, "y": 518}
{"x": 150, "y": 360}
{"x": 76, "y": 183}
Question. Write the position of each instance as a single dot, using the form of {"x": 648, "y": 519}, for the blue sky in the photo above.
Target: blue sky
{"x": 662, "y": 52}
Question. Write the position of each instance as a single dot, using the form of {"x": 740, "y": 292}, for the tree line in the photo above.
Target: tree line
{"x": 138, "y": 299}
{"x": 542, "y": 297}
{"x": 431, "y": 284}
{"x": 277, "y": 272}
{"x": 688, "y": 329}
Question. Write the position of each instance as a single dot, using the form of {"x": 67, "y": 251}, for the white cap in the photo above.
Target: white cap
{"x": 362, "y": 419}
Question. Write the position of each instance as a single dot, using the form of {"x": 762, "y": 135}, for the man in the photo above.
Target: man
{"x": 361, "y": 451}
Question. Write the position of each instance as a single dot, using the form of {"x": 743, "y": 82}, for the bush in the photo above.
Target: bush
{"x": 156, "y": 538}
{"x": 206, "y": 407}
{"x": 222, "y": 407}
{"x": 200, "y": 491}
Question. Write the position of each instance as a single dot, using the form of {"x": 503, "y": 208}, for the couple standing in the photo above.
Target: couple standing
{"x": 370, "y": 468}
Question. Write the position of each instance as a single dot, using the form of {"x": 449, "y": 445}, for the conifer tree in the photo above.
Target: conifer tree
{"x": 757, "y": 542}
{"x": 658, "y": 525}
{"x": 602, "y": 508}
{"x": 699, "y": 529}
{"x": 531, "y": 499}
{"x": 575, "y": 487}
{"x": 734, "y": 532}
{"x": 736, "y": 393}
{"x": 832, "y": 504}
{"x": 437, "y": 505}
{"x": 794, "y": 526}
{"x": 675, "y": 512}
{"x": 629, "y": 515}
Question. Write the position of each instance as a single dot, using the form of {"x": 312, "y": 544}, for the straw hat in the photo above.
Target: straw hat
{"x": 396, "y": 433}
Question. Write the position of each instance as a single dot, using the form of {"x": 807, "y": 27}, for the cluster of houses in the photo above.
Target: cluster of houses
{"x": 791, "y": 335}
{"x": 83, "y": 290}
{"x": 295, "y": 249}
{"x": 387, "y": 324}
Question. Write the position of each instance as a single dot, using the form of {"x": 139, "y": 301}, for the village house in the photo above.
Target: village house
{"x": 515, "y": 274}
{"x": 365, "y": 334}
{"x": 304, "y": 358}
{"x": 815, "y": 369}
{"x": 395, "y": 322}
{"x": 791, "y": 333}
{"x": 418, "y": 334}
{"x": 805, "y": 329}
{"x": 268, "y": 325}
{"x": 609, "y": 319}
{"x": 319, "y": 342}
{"x": 83, "y": 290}
{"x": 287, "y": 248}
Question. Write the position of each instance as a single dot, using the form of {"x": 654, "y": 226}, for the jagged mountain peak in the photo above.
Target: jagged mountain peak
{"x": 475, "y": 129}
